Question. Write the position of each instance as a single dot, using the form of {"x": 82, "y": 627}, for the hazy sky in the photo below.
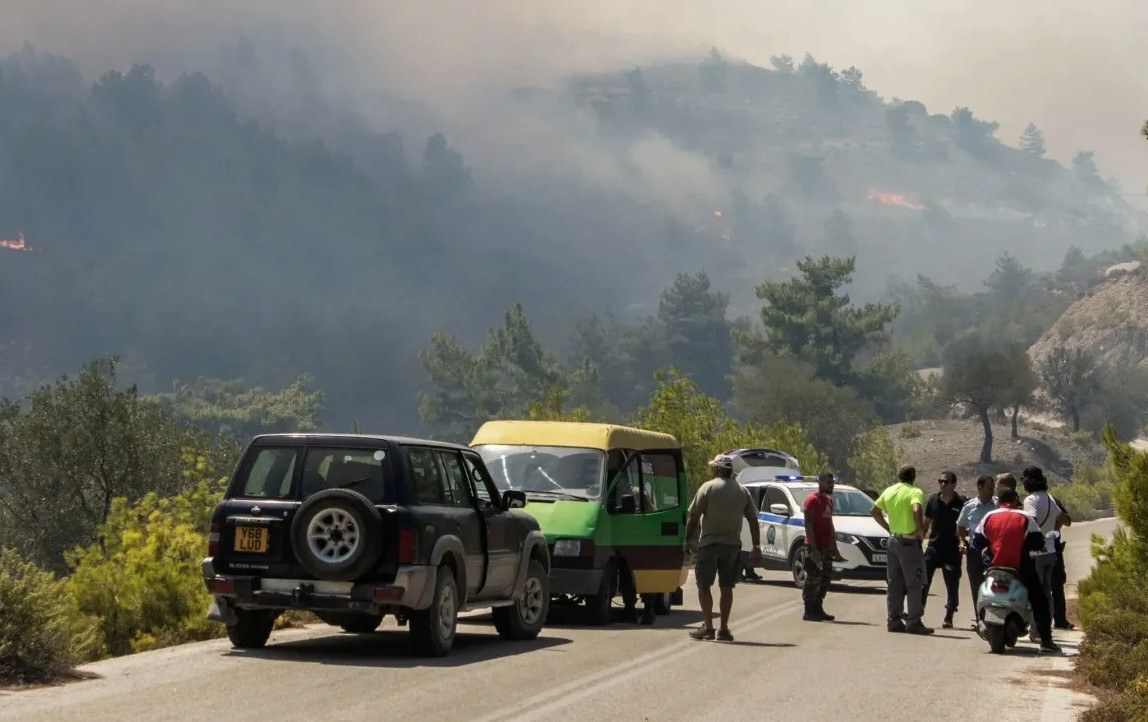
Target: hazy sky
{"x": 1072, "y": 68}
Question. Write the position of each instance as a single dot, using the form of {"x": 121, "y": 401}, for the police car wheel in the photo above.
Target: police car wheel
{"x": 797, "y": 566}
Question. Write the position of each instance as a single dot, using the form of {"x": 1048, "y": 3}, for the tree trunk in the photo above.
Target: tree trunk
{"x": 1015, "y": 413}
{"x": 987, "y": 447}
{"x": 1075, "y": 421}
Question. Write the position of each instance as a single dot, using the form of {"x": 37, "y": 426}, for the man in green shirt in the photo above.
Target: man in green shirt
{"x": 903, "y": 503}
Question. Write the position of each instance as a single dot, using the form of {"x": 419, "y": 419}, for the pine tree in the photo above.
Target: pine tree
{"x": 1032, "y": 141}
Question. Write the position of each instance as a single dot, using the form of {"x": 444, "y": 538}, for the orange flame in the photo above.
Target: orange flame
{"x": 17, "y": 245}
{"x": 892, "y": 199}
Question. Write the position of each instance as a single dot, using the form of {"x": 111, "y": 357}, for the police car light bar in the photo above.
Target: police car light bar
{"x": 789, "y": 477}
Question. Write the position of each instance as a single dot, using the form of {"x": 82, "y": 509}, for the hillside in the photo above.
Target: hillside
{"x": 953, "y": 444}
{"x": 1109, "y": 321}
{"x": 150, "y": 217}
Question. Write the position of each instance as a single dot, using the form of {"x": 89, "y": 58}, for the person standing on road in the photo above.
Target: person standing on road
{"x": 1040, "y": 506}
{"x": 904, "y": 503}
{"x": 720, "y": 507}
{"x": 970, "y": 517}
{"x": 943, "y": 551}
{"x": 1060, "y": 575}
{"x": 821, "y": 538}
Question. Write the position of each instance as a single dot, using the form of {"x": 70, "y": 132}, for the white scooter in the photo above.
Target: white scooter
{"x": 1004, "y": 613}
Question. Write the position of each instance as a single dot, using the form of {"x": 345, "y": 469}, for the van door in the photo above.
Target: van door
{"x": 647, "y": 519}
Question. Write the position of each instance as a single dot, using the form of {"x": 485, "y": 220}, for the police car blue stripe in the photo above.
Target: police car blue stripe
{"x": 779, "y": 519}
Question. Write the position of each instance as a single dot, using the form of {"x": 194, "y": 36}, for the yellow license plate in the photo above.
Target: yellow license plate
{"x": 252, "y": 539}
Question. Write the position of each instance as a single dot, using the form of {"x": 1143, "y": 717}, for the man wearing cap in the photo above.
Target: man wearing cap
{"x": 904, "y": 504}
{"x": 720, "y": 507}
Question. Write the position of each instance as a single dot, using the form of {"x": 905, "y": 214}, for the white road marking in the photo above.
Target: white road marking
{"x": 559, "y": 698}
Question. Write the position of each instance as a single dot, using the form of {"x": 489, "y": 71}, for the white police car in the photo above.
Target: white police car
{"x": 860, "y": 539}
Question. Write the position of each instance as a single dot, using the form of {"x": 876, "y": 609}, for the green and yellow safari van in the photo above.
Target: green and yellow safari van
{"x": 611, "y": 501}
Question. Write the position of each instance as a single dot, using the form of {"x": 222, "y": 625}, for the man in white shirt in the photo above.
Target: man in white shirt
{"x": 1046, "y": 512}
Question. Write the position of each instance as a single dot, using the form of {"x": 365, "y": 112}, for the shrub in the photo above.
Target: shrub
{"x": 1113, "y": 606}
{"x": 1131, "y": 705}
{"x": 144, "y": 583}
{"x": 910, "y": 431}
{"x": 42, "y": 634}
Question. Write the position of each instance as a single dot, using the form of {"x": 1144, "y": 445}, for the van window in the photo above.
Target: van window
{"x": 629, "y": 480}
{"x": 659, "y": 481}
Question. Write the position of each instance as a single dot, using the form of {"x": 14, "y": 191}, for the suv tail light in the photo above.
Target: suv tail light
{"x": 407, "y": 544}
{"x": 213, "y": 540}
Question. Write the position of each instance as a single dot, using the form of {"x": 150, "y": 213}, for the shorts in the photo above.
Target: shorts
{"x": 720, "y": 560}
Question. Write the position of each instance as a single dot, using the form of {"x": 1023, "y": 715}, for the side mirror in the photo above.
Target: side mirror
{"x": 513, "y": 499}
{"x": 627, "y": 505}
{"x": 781, "y": 509}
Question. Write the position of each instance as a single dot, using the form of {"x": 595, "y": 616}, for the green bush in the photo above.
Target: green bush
{"x": 144, "y": 583}
{"x": 1131, "y": 705}
{"x": 42, "y": 634}
{"x": 1113, "y": 606}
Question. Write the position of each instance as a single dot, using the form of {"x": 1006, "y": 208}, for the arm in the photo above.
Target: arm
{"x": 879, "y": 517}
{"x": 963, "y": 529}
{"x": 1062, "y": 519}
{"x": 919, "y": 518}
{"x": 693, "y": 521}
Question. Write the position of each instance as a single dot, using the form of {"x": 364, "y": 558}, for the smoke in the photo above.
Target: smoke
{"x": 1071, "y": 69}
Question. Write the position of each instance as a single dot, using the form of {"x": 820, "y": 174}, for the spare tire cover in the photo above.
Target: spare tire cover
{"x": 337, "y": 535}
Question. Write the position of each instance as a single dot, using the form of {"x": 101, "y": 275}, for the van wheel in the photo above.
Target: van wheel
{"x": 252, "y": 628}
{"x": 524, "y": 619}
{"x": 433, "y": 629}
{"x": 600, "y": 605}
{"x": 797, "y": 565}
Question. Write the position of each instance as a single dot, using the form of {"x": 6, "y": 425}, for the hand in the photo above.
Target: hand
{"x": 962, "y": 547}
{"x": 755, "y": 554}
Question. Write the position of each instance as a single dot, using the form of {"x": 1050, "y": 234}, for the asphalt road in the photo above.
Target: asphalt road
{"x": 777, "y": 667}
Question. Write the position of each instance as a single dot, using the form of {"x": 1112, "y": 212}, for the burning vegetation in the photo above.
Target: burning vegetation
{"x": 892, "y": 199}
{"x": 19, "y": 244}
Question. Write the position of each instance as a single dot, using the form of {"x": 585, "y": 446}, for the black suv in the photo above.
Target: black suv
{"x": 353, "y": 527}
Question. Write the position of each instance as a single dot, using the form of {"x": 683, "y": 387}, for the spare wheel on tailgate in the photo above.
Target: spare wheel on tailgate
{"x": 337, "y": 535}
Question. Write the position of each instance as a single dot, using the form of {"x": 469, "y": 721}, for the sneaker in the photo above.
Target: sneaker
{"x": 724, "y": 635}
{"x": 918, "y": 628}
{"x": 897, "y": 627}
{"x": 947, "y": 624}
{"x": 812, "y": 615}
{"x": 824, "y": 614}
{"x": 702, "y": 633}
{"x": 1049, "y": 648}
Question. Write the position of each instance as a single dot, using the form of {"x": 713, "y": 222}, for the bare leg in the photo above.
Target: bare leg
{"x": 706, "y": 599}
{"x": 726, "y": 605}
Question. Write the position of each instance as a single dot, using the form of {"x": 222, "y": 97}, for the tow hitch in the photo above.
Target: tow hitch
{"x": 300, "y": 594}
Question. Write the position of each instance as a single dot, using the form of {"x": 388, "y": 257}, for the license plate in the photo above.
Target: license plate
{"x": 880, "y": 558}
{"x": 252, "y": 539}
{"x": 994, "y": 615}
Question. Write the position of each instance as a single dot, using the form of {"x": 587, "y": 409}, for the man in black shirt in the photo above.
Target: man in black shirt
{"x": 943, "y": 551}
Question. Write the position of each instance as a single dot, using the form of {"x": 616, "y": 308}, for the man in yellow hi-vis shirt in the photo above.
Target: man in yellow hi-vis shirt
{"x": 904, "y": 504}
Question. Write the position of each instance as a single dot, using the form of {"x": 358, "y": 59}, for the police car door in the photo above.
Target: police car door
{"x": 775, "y": 532}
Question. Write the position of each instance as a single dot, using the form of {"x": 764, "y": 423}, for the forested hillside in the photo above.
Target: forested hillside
{"x": 154, "y": 220}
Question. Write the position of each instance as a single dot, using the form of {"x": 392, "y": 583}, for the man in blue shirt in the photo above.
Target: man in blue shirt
{"x": 970, "y": 517}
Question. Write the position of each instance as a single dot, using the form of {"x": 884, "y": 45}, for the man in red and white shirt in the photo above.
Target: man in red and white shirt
{"x": 1007, "y": 536}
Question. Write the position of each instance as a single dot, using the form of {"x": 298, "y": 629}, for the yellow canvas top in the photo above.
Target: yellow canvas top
{"x": 571, "y": 433}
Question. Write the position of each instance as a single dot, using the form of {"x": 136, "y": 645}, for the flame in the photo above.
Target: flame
{"x": 15, "y": 245}
{"x": 892, "y": 199}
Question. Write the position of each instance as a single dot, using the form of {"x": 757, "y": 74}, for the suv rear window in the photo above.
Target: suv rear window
{"x": 360, "y": 469}
{"x": 269, "y": 472}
